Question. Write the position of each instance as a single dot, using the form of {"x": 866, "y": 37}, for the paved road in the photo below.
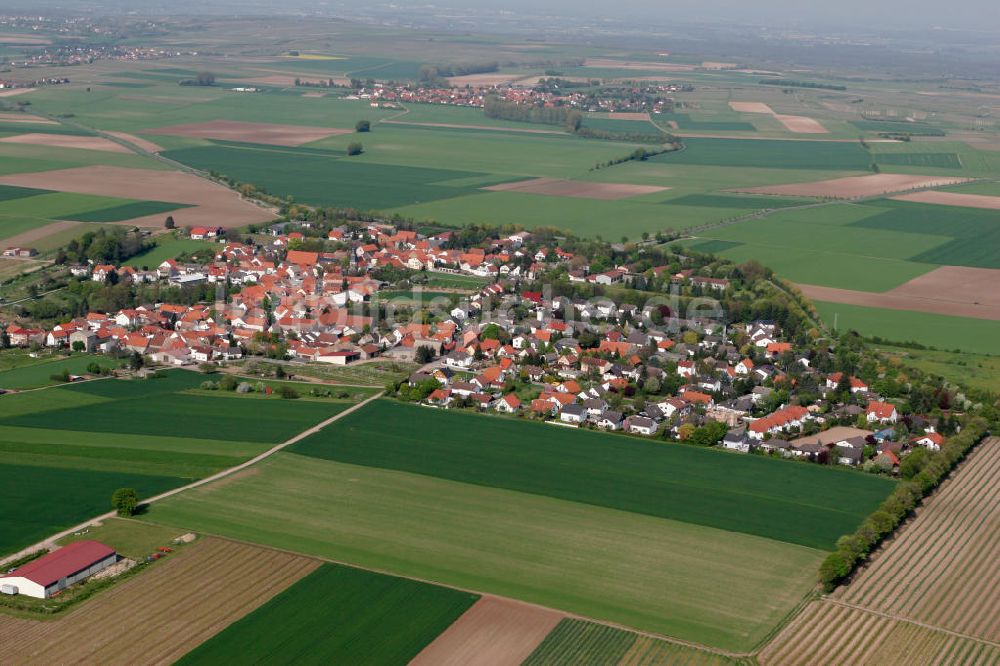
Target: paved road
{"x": 50, "y": 541}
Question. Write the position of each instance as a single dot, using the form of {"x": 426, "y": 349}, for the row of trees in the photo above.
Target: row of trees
{"x": 494, "y": 107}
{"x": 926, "y": 472}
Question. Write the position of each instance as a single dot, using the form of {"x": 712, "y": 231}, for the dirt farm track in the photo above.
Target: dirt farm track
{"x": 159, "y": 615}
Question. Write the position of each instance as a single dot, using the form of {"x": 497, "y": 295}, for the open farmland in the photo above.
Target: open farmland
{"x": 769, "y": 154}
{"x": 620, "y": 473}
{"x": 582, "y": 189}
{"x": 66, "y": 141}
{"x": 857, "y": 187}
{"x": 570, "y": 537}
{"x": 160, "y": 614}
{"x": 337, "y": 615}
{"x": 209, "y": 203}
{"x": 953, "y": 199}
{"x": 948, "y": 290}
{"x": 266, "y": 133}
{"x": 929, "y": 594}
{"x": 66, "y": 449}
{"x": 640, "y": 571}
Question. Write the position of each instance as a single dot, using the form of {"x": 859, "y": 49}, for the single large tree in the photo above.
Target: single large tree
{"x": 125, "y": 501}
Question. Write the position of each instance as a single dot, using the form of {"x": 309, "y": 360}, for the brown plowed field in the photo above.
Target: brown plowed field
{"x": 66, "y": 141}
{"x": 801, "y": 124}
{"x": 214, "y": 205}
{"x": 494, "y": 632}
{"x": 556, "y": 187}
{"x": 857, "y": 187}
{"x": 751, "y": 107}
{"x": 159, "y": 615}
{"x": 266, "y": 133}
{"x": 953, "y": 199}
{"x": 949, "y": 290}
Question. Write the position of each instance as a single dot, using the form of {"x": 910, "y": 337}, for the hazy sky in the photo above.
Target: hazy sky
{"x": 970, "y": 14}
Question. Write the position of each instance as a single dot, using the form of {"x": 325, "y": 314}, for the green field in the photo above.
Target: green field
{"x": 979, "y": 336}
{"x": 66, "y": 449}
{"x": 330, "y": 179}
{"x": 339, "y": 615}
{"x": 770, "y": 154}
{"x": 677, "y": 482}
{"x": 916, "y": 129}
{"x": 37, "y": 501}
{"x": 28, "y": 373}
{"x": 644, "y": 572}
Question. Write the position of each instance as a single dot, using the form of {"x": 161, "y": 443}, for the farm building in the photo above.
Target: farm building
{"x": 59, "y": 569}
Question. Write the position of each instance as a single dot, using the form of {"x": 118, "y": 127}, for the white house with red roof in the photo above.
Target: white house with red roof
{"x": 881, "y": 412}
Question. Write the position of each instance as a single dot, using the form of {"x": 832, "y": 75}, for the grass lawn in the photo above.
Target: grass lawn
{"x": 130, "y": 538}
{"x": 649, "y": 573}
{"x": 682, "y": 483}
{"x": 339, "y": 615}
{"x": 978, "y": 336}
{"x": 20, "y": 371}
{"x": 976, "y": 370}
{"x": 169, "y": 247}
{"x": 374, "y": 373}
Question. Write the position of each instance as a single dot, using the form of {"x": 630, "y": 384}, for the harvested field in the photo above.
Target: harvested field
{"x": 801, "y": 124}
{"x": 66, "y": 141}
{"x": 212, "y": 204}
{"x": 494, "y": 632}
{"x": 145, "y": 144}
{"x": 313, "y": 94}
{"x": 953, "y": 199}
{"x": 159, "y": 615}
{"x": 266, "y": 133}
{"x": 860, "y": 187}
{"x": 556, "y": 187}
{"x": 12, "y": 92}
{"x": 949, "y": 290}
{"x": 751, "y": 107}
{"x": 28, "y": 238}
{"x": 942, "y": 567}
{"x": 609, "y": 63}
{"x": 25, "y": 118}
{"x": 628, "y": 115}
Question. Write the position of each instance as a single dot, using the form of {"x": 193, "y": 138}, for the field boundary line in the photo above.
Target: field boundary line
{"x": 908, "y": 620}
{"x": 48, "y": 542}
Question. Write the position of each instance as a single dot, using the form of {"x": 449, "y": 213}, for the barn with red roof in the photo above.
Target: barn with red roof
{"x": 61, "y": 568}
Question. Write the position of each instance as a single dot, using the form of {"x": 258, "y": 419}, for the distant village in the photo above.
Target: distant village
{"x": 508, "y": 346}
